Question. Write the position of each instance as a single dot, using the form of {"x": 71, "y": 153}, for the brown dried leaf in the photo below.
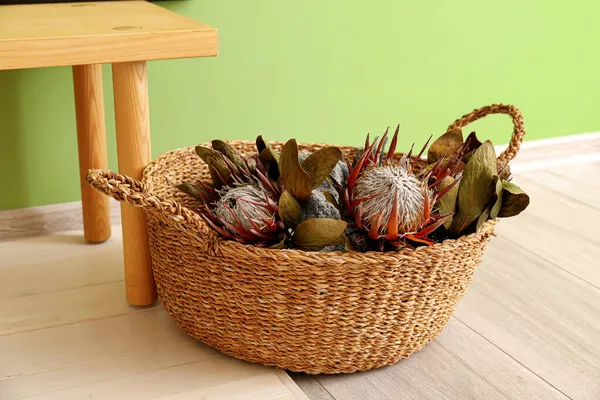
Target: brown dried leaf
{"x": 215, "y": 162}
{"x": 320, "y": 164}
{"x": 514, "y": 200}
{"x": 447, "y": 204}
{"x": 230, "y": 152}
{"x": 331, "y": 198}
{"x": 445, "y": 145}
{"x": 474, "y": 142}
{"x": 289, "y": 209}
{"x": 260, "y": 144}
{"x": 317, "y": 233}
{"x": 476, "y": 187}
{"x": 294, "y": 177}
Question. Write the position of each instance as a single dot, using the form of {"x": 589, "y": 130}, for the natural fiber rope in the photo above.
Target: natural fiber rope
{"x": 315, "y": 312}
{"x": 510, "y": 110}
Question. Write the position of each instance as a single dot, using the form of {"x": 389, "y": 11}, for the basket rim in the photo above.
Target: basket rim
{"x": 447, "y": 244}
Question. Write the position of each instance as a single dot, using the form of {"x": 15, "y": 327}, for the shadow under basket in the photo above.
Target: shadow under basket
{"x": 302, "y": 311}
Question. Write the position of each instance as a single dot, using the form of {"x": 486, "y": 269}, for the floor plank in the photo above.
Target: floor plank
{"x": 459, "y": 364}
{"x": 78, "y": 344}
{"x": 207, "y": 379}
{"x": 66, "y": 332}
{"x": 538, "y": 314}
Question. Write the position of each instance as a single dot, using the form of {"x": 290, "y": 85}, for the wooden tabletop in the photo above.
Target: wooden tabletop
{"x": 47, "y": 35}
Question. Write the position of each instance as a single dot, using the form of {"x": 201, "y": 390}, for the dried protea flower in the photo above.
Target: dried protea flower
{"x": 247, "y": 213}
{"x": 391, "y": 202}
{"x": 390, "y": 192}
{"x": 262, "y": 200}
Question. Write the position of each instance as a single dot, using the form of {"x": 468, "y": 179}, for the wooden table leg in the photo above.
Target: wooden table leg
{"x": 133, "y": 150}
{"x": 91, "y": 140}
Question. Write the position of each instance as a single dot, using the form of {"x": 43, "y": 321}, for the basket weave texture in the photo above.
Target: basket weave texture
{"x": 302, "y": 311}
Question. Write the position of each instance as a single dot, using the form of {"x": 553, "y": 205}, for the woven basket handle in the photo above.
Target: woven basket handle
{"x": 133, "y": 192}
{"x": 517, "y": 119}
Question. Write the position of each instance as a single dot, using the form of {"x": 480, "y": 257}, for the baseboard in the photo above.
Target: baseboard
{"x": 535, "y": 154}
{"x": 45, "y": 220}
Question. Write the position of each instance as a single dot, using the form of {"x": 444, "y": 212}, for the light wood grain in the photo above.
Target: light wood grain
{"x": 44, "y": 35}
{"x": 540, "y": 315}
{"x": 132, "y": 121}
{"x": 91, "y": 140}
{"x": 68, "y": 264}
{"x": 29, "y": 222}
{"x": 76, "y": 345}
{"x": 213, "y": 377}
{"x": 68, "y": 334}
{"x": 459, "y": 364}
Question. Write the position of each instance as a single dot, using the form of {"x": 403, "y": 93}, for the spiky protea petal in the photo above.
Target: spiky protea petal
{"x": 393, "y": 192}
{"x": 245, "y": 206}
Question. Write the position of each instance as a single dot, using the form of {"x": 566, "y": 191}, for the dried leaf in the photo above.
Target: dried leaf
{"x": 514, "y": 200}
{"x": 289, "y": 209}
{"x": 294, "y": 177}
{"x": 331, "y": 198}
{"x": 474, "y": 143}
{"x": 445, "y": 145}
{"x": 476, "y": 187}
{"x": 215, "y": 163}
{"x": 484, "y": 216}
{"x": 503, "y": 169}
{"x": 349, "y": 245}
{"x": 320, "y": 164}
{"x": 495, "y": 210}
{"x": 317, "y": 233}
{"x": 191, "y": 190}
{"x": 260, "y": 144}
{"x": 467, "y": 156}
{"x": 447, "y": 204}
{"x": 279, "y": 245}
{"x": 269, "y": 157}
{"x": 230, "y": 152}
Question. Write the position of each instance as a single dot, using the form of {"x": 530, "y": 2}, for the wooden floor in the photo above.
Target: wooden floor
{"x": 66, "y": 333}
{"x": 528, "y": 327}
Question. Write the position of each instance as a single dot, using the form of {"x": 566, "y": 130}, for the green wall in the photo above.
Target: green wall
{"x": 325, "y": 70}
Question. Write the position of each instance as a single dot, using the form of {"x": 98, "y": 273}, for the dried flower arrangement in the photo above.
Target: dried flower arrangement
{"x": 380, "y": 201}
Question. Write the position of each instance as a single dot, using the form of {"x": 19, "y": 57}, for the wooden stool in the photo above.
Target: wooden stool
{"x": 86, "y": 35}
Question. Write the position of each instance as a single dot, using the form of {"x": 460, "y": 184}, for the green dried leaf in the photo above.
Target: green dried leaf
{"x": 500, "y": 165}
{"x": 215, "y": 163}
{"x": 447, "y": 204}
{"x": 317, "y": 233}
{"x": 294, "y": 177}
{"x": 476, "y": 187}
{"x": 495, "y": 210}
{"x": 191, "y": 190}
{"x": 320, "y": 164}
{"x": 445, "y": 145}
{"x": 514, "y": 200}
{"x": 331, "y": 198}
{"x": 230, "y": 152}
{"x": 289, "y": 209}
{"x": 467, "y": 156}
{"x": 484, "y": 216}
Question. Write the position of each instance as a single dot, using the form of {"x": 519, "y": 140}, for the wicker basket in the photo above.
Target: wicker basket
{"x": 302, "y": 311}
